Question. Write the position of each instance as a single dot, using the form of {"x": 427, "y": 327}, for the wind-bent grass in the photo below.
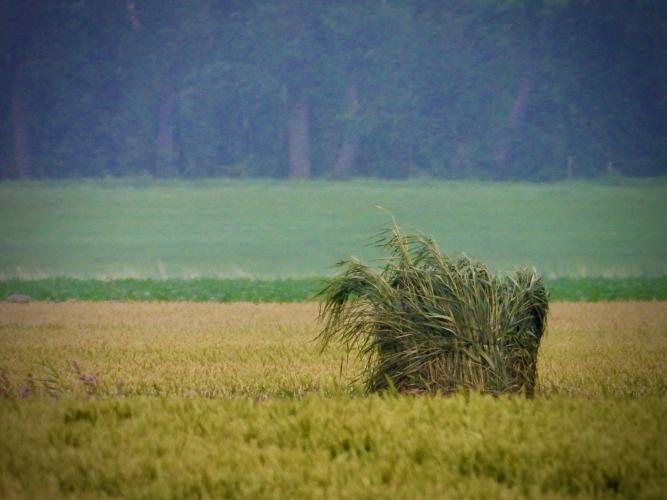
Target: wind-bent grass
{"x": 476, "y": 447}
{"x": 234, "y": 400}
{"x": 426, "y": 322}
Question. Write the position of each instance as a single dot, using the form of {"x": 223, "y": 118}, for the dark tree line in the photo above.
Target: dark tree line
{"x": 533, "y": 89}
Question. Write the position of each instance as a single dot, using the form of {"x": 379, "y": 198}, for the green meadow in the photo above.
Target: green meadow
{"x": 142, "y": 228}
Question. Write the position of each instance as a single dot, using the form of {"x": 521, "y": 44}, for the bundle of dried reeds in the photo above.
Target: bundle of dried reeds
{"x": 427, "y": 323}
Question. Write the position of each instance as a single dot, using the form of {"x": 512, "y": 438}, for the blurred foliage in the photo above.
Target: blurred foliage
{"x": 458, "y": 88}
{"x": 400, "y": 448}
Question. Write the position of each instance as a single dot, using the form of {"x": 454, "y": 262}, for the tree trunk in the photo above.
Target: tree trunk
{"x": 518, "y": 111}
{"x": 570, "y": 167}
{"x": 348, "y": 151}
{"x": 164, "y": 143}
{"x": 408, "y": 165}
{"x": 132, "y": 15}
{"x": 516, "y": 117}
{"x": 299, "y": 140}
{"x": 456, "y": 165}
{"x": 21, "y": 161}
{"x": 6, "y": 160}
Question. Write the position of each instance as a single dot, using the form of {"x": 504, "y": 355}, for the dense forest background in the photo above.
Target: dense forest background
{"x": 507, "y": 89}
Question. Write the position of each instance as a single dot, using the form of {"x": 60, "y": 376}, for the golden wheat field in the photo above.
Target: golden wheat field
{"x": 148, "y": 400}
{"x": 268, "y": 350}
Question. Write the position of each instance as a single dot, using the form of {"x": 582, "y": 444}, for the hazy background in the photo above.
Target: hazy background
{"x": 508, "y": 89}
{"x": 211, "y": 135}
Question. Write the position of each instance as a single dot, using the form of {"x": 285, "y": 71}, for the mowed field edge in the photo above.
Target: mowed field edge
{"x": 236, "y": 400}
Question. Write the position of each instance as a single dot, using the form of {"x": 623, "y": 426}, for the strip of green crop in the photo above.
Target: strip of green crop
{"x": 288, "y": 290}
{"x": 196, "y": 290}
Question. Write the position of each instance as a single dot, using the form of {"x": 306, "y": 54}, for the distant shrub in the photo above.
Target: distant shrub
{"x": 427, "y": 323}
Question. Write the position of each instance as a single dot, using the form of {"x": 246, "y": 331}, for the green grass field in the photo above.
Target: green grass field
{"x": 278, "y": 229}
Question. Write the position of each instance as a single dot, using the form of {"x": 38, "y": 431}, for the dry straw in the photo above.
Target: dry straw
{"x": 427, "y": 323}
